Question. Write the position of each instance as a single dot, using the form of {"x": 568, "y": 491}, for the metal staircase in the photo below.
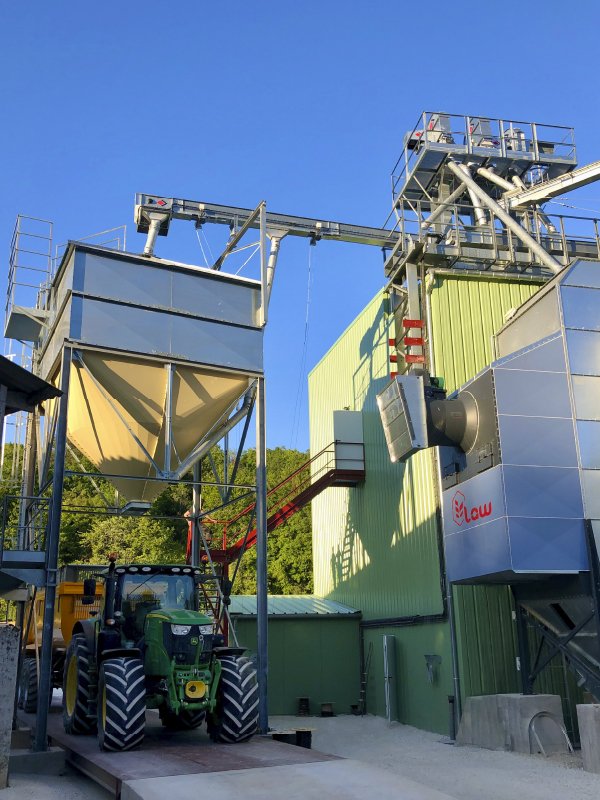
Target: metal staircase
{"x": 338, "y": 464}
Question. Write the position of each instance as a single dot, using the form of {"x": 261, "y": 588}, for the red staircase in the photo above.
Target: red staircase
{"x": 323, "y": 470}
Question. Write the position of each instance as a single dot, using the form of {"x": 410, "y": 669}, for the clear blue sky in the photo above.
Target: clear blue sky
{"x": 302, "y": 104}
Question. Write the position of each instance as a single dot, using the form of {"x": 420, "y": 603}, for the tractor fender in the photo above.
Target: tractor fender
{"x": 119, "y": 652}
{"x": 88, "y": 628}
{"x": 229, "y": 651}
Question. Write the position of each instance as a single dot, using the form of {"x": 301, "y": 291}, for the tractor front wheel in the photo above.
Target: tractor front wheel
{"x": 184, "y": 721}
{"x": 28, "y": 686}
{"x": 121, "y": 704}
{"x": 236, "y": 715}
{"x": 76, "y": 687}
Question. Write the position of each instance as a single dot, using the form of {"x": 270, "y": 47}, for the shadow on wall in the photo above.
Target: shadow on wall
{"x": 384, "y": 554}
{"x": 342, "y": 557}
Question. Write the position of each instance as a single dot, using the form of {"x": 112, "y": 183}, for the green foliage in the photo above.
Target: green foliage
{"x": 89, "y": 531}
{"x": 133, "y": 539}
{"x": 289, "y": 546}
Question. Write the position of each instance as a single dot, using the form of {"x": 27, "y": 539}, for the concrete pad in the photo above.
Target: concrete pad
{"x": 502, "y": 722}
{"x": 50, "y": 762}
{"x": 588, "y": 716}
{"x": 328, "y": 780}
{"x": 20, "y": 739}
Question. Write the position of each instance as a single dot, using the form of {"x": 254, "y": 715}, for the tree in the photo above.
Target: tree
{"x": 289, "y": 547}
{"x": 133, "y": 539}
{"x": 89, "y": 531}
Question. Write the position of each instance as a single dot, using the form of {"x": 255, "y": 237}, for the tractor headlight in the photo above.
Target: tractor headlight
{"x": 206, "y": 630}
{"x": 180, "y": 630}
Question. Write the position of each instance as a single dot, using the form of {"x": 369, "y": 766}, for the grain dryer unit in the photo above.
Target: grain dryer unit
{"x": 520, "y": 461}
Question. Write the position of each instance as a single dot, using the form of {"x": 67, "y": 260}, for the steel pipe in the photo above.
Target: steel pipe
{"x": 239, "y": 234}
{"x": 491, "y": 176}
{"x": 201, "y": 450}
{"x": 272, "y": 261}
{"x": 155, "y": 220}
{"x": 427, "y": 223}
{"x": 536, "y": 248}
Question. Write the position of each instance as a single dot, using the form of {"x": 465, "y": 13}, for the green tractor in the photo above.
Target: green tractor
{"x": 151, "y": 646}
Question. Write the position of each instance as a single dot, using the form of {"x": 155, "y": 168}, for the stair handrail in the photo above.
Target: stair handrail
{"x": 249, "y": 508}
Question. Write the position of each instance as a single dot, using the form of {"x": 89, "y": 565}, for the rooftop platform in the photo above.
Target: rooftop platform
{"x": 532, "y": 151}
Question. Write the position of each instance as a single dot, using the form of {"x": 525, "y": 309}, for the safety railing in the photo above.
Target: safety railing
{"x": 23, "y": 533}
{"x": 113, "y": 238}
{"x": 327, "y": 462}
{"x": 493, "y": 137}
{"x": 29, "y": 262}
{"x": 564, "y": 236}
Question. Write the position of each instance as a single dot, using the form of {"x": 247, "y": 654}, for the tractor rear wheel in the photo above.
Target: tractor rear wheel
{"x": 28, "y": 686}
{"x": 184, "y": 721}
{"x": 76, "y": 687}
{"x": 121, "y": 703}
{"x": 236, "y": 715}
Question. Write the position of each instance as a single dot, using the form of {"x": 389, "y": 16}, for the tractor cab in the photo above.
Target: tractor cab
{"x": 141, "y": 590}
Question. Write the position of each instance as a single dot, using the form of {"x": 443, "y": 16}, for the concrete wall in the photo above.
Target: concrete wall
{"x": 9, "y": 655}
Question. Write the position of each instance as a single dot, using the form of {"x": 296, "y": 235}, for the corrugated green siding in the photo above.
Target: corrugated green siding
{"x": 421, "y": 703}
{"x": 375, "y": 546}
{"x": 314, "y": 658}
{"x": 465, "y": 313}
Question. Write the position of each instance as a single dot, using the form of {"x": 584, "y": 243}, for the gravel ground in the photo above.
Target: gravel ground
{"x": 467, "y": 773}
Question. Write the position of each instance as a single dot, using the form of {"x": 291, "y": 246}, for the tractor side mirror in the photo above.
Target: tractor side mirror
{"x": 89, "y": 592}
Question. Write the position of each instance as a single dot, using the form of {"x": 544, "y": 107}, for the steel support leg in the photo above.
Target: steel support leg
{"x": 594, "y": 562}
{"x": 52, "y": 544}
{"x": 196, "y": 507}
{"x": 261, "y": 557}
{"x": 523, "y": 647}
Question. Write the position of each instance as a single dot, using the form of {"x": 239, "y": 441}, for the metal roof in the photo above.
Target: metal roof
{"x": 290, "y": 605}
{"x": 24, "y": 390}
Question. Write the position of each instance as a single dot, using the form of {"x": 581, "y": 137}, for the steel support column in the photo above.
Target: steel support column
{"x": 261, "y": 557}
{"x": 196, "y": 508}
{"x": 52, "y": 545}
{"x": 594, "y": 561}
{"x": 28, "y": 482}
{"x": 523, "y": 648}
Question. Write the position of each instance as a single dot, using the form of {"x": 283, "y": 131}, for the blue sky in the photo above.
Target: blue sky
{"x": 301, "y": 104}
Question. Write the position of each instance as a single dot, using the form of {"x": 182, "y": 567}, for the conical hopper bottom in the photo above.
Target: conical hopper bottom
{"x": 113, "y": 400}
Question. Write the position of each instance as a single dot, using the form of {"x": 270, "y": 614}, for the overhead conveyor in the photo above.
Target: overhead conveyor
{"x": 153, "y": 215}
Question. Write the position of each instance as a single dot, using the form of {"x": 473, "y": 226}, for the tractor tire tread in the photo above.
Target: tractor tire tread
{"x": 122, "y": 726}
{"x": 28, "y": 686}
{"x": 236, "y": 717}
{"x": 79, "y": 722}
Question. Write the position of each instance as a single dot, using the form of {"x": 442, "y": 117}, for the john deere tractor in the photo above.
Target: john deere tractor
{"x": 151, "y": 647}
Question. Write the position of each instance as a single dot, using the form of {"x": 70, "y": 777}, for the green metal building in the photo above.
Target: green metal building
{"x": 314, "y": 650}
{"x": 378, "y": 547}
